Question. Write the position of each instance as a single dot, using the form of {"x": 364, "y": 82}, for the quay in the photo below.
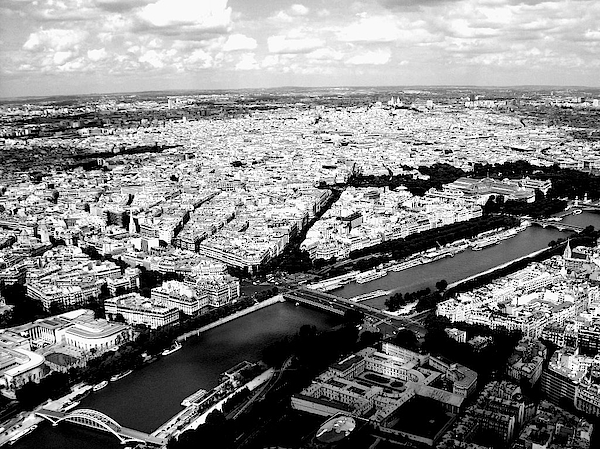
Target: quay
{"x": 241, "y": 313}
{"x": 370, "y": 295}
{"x": 456, "y": 284}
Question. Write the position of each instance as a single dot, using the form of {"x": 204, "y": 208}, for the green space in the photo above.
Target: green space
{"x": 422, "y": 416}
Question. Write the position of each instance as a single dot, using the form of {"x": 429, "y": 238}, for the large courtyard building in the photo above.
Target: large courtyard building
{"x": 136, "y": 309}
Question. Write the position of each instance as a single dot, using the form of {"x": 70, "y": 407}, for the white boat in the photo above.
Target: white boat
{"x": 484, "y": 244}
{"x": 577, "y": 211}
{"x": 405, "y": 265}
{"x": 100, "y": 386}
{"x": 370, "y": 275}
{"x": 121, "y": 375}
{"x": 174, "y": 347}
{"x": 70, "y": 405}
{"x": 20, "y": 434}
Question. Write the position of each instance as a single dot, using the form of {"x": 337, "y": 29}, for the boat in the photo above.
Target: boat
{"x": 16, "y": 437}
{"x": 174, "y": 347}
{"x": 69, "y": 405}
{"x": 100, "y": 386}
{"x": 121, "y": 375}
{"x": 405, "y": 265}
{"x": 577, "y": 211}
{"x": 484, "y": 244}
{"x": 370, "y": 275}
{"x": 194, "y": 398}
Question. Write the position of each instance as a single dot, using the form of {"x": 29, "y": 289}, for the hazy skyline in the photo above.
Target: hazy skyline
{"x": 81, "y": 46}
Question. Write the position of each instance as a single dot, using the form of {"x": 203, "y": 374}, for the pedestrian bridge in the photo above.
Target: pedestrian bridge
{"x": 99, "y": 421}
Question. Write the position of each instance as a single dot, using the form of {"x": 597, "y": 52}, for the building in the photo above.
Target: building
{"x": 59, "y": 297}
{"x": 136, "y": 309}
{"x": 219, "y": 290}
{"x": 457, "y": 334}
{"x": 179, "y": 295}
{"x": 463, "y": 379}
{"x": 588, "y": 339}
{"x": 17, "y": 367}
{"x": 76, "y": 329}
{"x": 526, "y": 362}
{"x": 96, "y": 335}
{"x": 554, "y": 428}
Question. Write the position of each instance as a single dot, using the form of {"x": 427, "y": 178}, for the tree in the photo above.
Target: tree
{"x": 406, "y": 339}
{"x": 441, "y": 285}
{"x": 353, "y": 317}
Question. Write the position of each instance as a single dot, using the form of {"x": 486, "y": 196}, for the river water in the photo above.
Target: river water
{"x": 148, "y": 397}
{"x": 464, "y": 264}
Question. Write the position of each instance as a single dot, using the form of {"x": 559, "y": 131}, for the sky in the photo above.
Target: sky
{"x": 50, "y": 47}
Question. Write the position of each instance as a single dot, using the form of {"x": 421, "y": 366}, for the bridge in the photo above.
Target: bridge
{"x": 335, "y": 304}
{"x": 99, "y": 421}
{"x": 557, "y": 225}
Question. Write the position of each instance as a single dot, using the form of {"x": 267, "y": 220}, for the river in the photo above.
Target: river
{"x": 148, "y": 397}
{"x": 464, "y": 264}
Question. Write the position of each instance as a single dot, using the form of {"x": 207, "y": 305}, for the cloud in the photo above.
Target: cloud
{"x": 377, "y": 57}
{"x": 283, "y": 44}
{"x": 299, "y": 10}
{"x": 120, "y": 6}
{"x": 247, "y": 62}
{"x": 60, "y": 57}
{"x": 54, "y": 40}
{"x": 370, "y": 29}
{"x": 239, "y": 42}
{"x": 325, "y": 54}
{"x": 441, "y": 40}
{"x": 206, "y": 15}
{"x": 97, "y": 55}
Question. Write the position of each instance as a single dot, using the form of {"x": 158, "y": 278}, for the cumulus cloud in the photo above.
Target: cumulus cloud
{"x": 247, "y": 62}
{"x": 299, "y": 10}
{"x": 54, "y": 40}
{"x": 377, "y": 57}
{"x": 239, "y": 42}
{"x": 442, "y": 39}
{"x": 284, "y": 44}
{"x": 325, "y": 54}
{"x": 97, "y": 54}
{"x": 370, "y": 29}
{"x": 208, "y": 15}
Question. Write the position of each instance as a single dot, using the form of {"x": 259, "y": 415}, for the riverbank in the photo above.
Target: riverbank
{"x": 28, "y": 421}
{"x": 502, "y": 269}
{"x": 238, "y": 314}
{"x": 453, "y": 269}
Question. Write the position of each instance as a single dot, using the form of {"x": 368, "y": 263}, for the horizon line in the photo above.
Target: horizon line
{"x": 290, "y": 87}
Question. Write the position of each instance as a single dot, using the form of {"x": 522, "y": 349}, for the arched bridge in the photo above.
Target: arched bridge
{"x": 558, "y": 225}
{"x": 99, "y": 421}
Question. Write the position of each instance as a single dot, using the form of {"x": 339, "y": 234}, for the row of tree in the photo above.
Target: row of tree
{"x": 397, "y": 301}
{"x": 438, "y": 174}
{"x": 403, "y": 247}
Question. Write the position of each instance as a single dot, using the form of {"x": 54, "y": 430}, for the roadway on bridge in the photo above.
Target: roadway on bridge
{"x": 387, "y": 324}
{"x": 102, "y": 423}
